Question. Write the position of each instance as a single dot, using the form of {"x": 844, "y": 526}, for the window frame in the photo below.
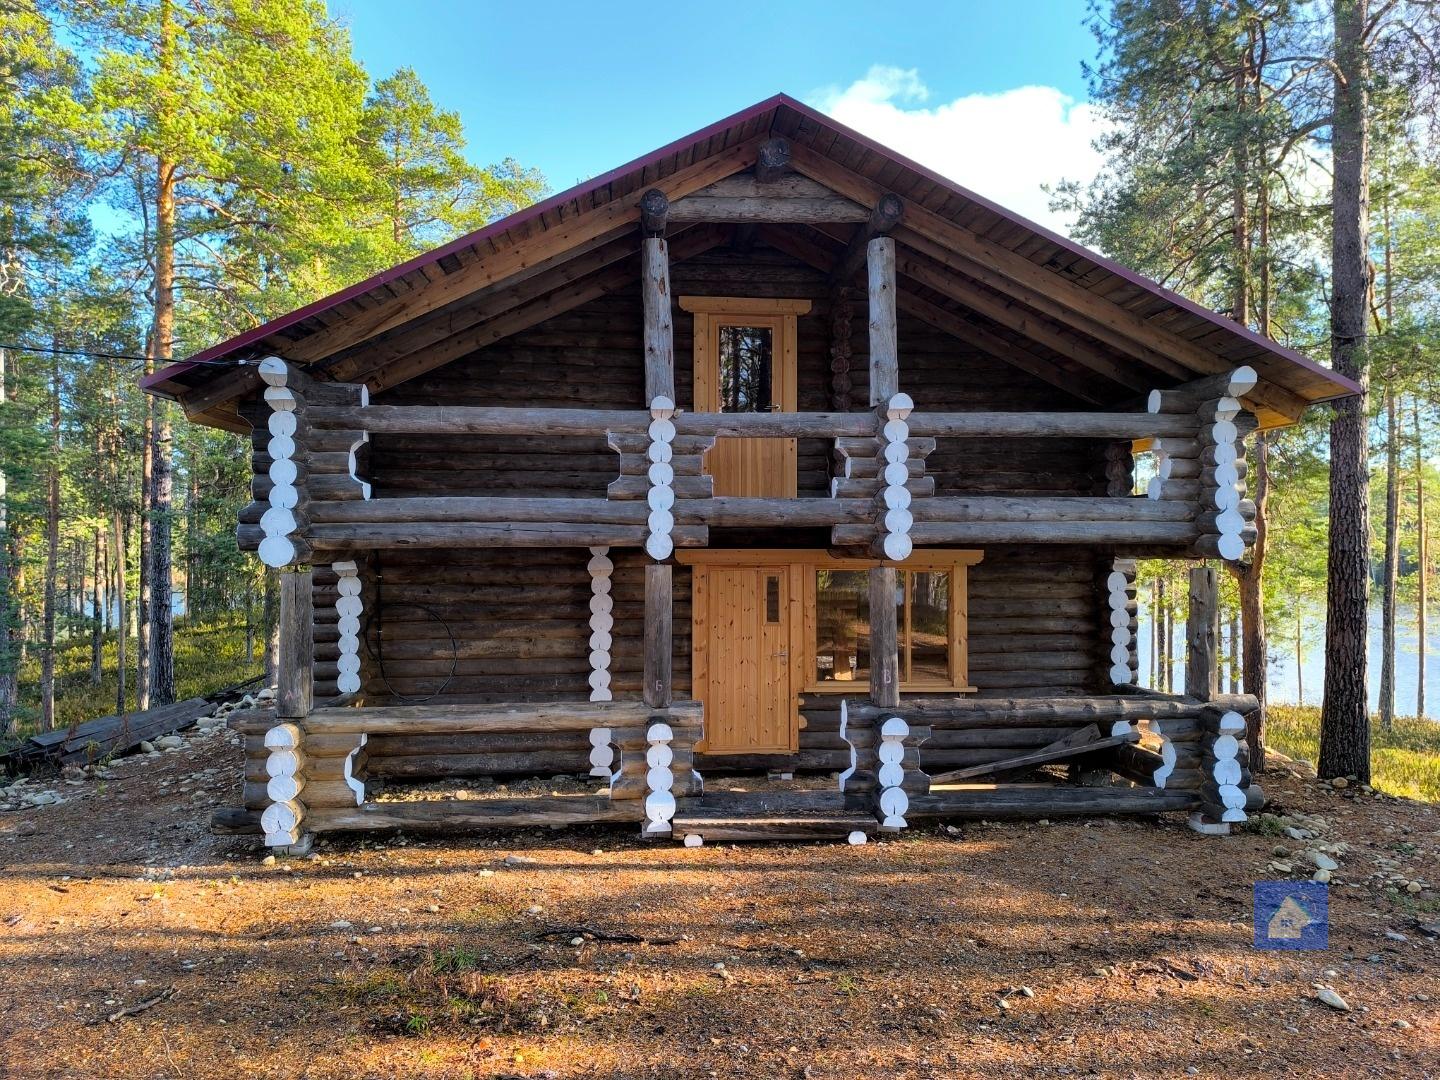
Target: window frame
{"x": 802, "y": 564}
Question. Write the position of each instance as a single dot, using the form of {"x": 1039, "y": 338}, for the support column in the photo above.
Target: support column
{"x": 1224, "y": 758}
{"x": 284, "y": 819}
{"x": 884, "y": 349}
{"x": 884, "y": 639}
{"x": 659, "y": 635}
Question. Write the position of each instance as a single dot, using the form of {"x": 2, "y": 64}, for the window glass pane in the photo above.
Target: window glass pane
{"x": 772, "y": 598}
{"x": 929, "y": 626}
{"x": 745, "y": 354}
{"x": 842, "y": 626}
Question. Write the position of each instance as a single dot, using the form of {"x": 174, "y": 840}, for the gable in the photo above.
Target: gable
{"x": 1035, "y": 300}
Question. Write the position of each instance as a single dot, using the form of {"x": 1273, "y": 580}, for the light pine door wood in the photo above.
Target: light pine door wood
{"x": 748, "y": 467}
{"x": 749, "y": 707}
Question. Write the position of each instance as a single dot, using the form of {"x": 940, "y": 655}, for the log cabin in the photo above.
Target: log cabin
{"x": 768, "y": 453}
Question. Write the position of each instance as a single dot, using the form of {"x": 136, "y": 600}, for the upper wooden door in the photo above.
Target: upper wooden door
{"x": 745, "y": 361}
{"x": 743, "y": 664}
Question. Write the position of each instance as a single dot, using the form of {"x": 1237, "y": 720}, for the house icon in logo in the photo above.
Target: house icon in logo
{"x": 1289, "y": 921}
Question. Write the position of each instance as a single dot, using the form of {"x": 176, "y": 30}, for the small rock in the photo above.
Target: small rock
{"x": 1322, "y": 861}
{"x": 1297, "y": 834}
{"x": 1003, "y": 1005}
{"x": 1403, "y": 1025}
{"x": 268, "y": 860}
{"x": 170, "y": 742}
{"x": 1340, "y": 783}
{"x": 1281, "y": 867}
{"x": 1025, "y": 991}
{"x": 341, "y": 924}
{"x": 432, "y": 908}
{"x": 535, "y": 909}
{"x": 1320, "y": 876}
{"x": 375, "y": 930}
{"x": 1413, "y": 887}
{"x": 577, "y": 941}
{"x": 1329, "y": 997}
{"x": 1393, "y": 936}
{"x": 146, "y": 746}
{"x": 518, "y": 860}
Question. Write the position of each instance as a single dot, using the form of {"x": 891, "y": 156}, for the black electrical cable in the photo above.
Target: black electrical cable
{"x": 378, "y": 652}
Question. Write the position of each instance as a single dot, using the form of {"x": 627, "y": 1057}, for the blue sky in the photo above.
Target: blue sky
{"x": 575, "y": 89}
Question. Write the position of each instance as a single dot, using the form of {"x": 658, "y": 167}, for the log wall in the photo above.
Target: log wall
{"x": 519, "y": 617}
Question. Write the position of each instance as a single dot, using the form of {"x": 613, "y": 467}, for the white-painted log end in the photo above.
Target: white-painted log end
{"x": 694, "y": 840}
{"x": 856, "y": 838}
{"x": 1198, "y": 823}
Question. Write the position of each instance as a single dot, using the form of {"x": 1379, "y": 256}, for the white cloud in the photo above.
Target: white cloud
{"x": 1003, "y": 146}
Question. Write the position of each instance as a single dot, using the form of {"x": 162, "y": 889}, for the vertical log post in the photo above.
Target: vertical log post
{"x": 1202, "y": 632}
{"x": 284, "y": 819}
{"x": 295, "y": 652}
{"x": 659, "y": 334}
{"x": 884, "y": 639}
{"x": 659, "y": 635}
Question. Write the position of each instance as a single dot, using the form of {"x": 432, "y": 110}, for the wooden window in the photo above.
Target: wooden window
{"x": 830, "y": 626}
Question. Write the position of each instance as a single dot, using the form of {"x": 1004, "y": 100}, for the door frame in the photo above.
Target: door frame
{"x": 781, "y": 318}
{"x": 793, "y": 617}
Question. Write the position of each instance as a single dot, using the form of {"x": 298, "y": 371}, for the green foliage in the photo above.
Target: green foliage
{"x": 208, "y": 656}
{"x": 1405, "y": 760}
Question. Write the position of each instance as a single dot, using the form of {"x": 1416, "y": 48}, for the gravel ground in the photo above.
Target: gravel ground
{"x": 1084, "y": 948}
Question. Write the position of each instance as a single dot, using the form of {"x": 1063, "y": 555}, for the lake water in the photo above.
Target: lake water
{"x": 1284, "y": 685}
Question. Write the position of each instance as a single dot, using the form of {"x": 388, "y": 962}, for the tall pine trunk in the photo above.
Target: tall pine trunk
{"x": 96, "y": 619}
{"x": 142, "y": 598}
{"x": 162, "y": 646}
{"x": 9, "y": 609}
{"x": 1390, "y": 575}
{"x": 1422, "y": 552}
{"x": 52, "y": 554}
{"x": 1344, "y": 718}
{"x": 122, "y": 611}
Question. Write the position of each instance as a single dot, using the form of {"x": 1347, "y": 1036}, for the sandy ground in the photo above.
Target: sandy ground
{"x": 487, "y": 957}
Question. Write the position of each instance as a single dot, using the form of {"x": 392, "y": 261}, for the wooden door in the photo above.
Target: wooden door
{"x": 746, "y": 363}
{"x": 744, "y": 655}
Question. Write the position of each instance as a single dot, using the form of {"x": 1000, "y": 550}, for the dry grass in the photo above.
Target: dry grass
{"x": 836, "y": 962}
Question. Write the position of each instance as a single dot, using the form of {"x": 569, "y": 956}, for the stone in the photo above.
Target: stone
{"x": 170, "y": 742}
{"x": 341, "y": 924}
{"x": 1394, "y": 936}
{"x": 1329, "y": 997}
{"x": 1322, "y": 861}
{"x": 268, "y": 860}
{"x": 1413, "y": 887}
{"x": 1340, "y": 783}
{"x": 518, "y": 860}
{"x": 1320, "y": 875}
{"x": 146, "y": 746}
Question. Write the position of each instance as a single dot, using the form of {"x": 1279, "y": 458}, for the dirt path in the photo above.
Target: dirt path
{"x": 425, "y": 958}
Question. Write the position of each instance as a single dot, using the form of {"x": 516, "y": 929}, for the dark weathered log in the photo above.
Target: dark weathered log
{"x": 1202, "y": 632}
{"x": 234, "y": 820}
{"x": 1078, "y": 743}
{"x": 1089, "y": 425}
{"x": 1037, "y": 800}
{"x": 781, "y": 209}
{"x": 1080, "y": 508}
{"x": 884, "y": 636}
{"x": 1051, "y": 710}
{"x": 659, "y": 646}
{"x": 1033, "y": 532}
{"x": 522, "y": 534}
{"x": 772, "y": 160}
{"x": 654, "y": 212}
{"x": 477, "y": 510}
{"x": 295, "y": 646}
{"x": 889, "y": 210}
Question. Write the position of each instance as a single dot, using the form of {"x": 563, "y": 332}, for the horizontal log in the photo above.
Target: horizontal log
{"x": 484, "y": 420}
{"x": 417, "y": 534}
{"x": 978, "y": 508}
{"x": 1048, "y": 711}
{"x": 473, "y": 510}
{"x": 449, "y": 814}
{"x": 763, "y": 209}
{"x": 485, "y": 719}
{"x": 529, "y": 763}
{"x": 1038, "y": 800}
{"x": 1033, "y": 532}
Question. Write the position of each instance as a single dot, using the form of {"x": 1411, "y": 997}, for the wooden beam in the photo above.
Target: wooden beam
{"x": 295, "y": 649}
{"x": 1020, "y": 270}
{"x": 659, "y": 635}
{"x": 781, "y": 210}
{"x": 475, "y": 310}
{"x": 514, "y": 255}
{"x": 659, "y": 335}
{"x": 772, "y": 160}
{"x": 1086, "y": 740}
{"x": 884, "y": 346}
{"x": 692, "y": 243}
{"x": 1202, "y": 631}
{"x": 1020, "y": 320}
{"x": 884, "y": 638}
{"x": 493, "y": 719}
{"x": 819, "y": 255}
{"x": 883, "y": 219}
